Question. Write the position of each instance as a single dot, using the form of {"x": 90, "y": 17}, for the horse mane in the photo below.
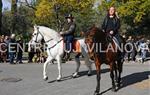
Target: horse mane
{"x": 97, "y": 34}
{"x": 51, "y": 33}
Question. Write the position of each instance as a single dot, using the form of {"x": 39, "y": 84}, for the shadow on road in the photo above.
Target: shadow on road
{"x": 105, "y": 91}
{"x": 81, "y": 74}
{"x": 132, "y": 79}
{"x": 63, "y": 79}
{"x": 84, "y": 73}
{"x": 135, "y": 78}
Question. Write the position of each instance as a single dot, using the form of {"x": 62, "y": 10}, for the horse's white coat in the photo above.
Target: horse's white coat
{"x": 57, "y": 51}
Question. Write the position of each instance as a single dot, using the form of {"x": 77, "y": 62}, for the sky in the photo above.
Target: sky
{"x": 6, "y": 4}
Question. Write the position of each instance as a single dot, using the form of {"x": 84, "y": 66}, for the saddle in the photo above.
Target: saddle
{"x": 75, "y": 46}
{"x": 110, "y": 39}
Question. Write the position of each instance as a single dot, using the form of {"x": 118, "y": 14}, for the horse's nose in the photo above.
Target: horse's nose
{"x": 30, "y": 41}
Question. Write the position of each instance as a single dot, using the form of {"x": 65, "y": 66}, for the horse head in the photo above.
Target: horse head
{"x": 90, "y": 42}
{"x": 93, "y": 36}
{"x": 37, "y": 36}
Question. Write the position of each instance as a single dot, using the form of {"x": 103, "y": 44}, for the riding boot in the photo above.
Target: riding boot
{"x": 68, "y": 57}
{"x": 64, "y": 57}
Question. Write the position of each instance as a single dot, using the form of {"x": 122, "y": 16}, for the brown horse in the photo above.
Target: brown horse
{"x": 104, "y": 54}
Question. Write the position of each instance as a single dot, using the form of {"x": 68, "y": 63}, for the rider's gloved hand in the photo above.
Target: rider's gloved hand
{"x": 111, "y": 32}
{"x": 61, "y": 33}
{"x": 103, "y": 30}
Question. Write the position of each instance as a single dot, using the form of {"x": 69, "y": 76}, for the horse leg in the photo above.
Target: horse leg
{"x": 58, "y": 58}
{"x": 45, "y": 77}
{"x": 87, "y": 62}
{"x": 116, "y": 72}
{"x": 77, "y": 60}
{"x": 112, "y": 76}
{"x": 98, "y": 71}
{"x": 119, "y": 63}
{"x": 98, "y": 82}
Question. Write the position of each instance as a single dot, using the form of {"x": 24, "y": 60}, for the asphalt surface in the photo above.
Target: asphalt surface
{"x": 26, "y": 79}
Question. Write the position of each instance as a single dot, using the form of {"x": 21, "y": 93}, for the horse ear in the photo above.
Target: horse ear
{"x": 35, "y": 27}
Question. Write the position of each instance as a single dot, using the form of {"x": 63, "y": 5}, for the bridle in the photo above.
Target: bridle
{"x": 38, "y": 32}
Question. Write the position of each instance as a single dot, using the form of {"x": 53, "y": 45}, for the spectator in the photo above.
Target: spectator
{"x": 131, "y": 48}
{"x": 3, "y": 49}
{"x": 6, "y": 40}
{"x": 144, "y": 49}
{"x": 30, "y": 53}
{"x": 19, "y": 51}
{"x": 12, "y": 49}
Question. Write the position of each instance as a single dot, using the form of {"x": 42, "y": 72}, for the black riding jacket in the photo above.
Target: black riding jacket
{"x": 111, "y": 24}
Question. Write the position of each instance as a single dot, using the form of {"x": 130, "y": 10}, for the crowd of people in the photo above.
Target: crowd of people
{"x": 12, "y": 50}
{"x": 8, "y": 54}
{"x": 138, "y": 48}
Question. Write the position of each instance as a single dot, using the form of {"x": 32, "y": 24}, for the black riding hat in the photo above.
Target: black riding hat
{"x": 69, "y": 16}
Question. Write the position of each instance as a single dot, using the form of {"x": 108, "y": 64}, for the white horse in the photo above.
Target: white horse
{"x": 55, "y": 49}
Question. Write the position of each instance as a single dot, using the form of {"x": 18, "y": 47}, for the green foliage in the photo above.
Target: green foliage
{"x": 24, "y": 20}
{"x": 134, "y": 15}
{"x": 46, "y": 14}
{"x": 131, "y": 12}
{"x": 1, "y": 6}
{"x": 6, "y": 23}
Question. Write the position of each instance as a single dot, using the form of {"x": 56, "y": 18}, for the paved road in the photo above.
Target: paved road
{"x": 135, "y": 80}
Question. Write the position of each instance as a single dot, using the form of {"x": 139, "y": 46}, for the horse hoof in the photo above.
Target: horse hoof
{"x": 118, "y": 85}
{"x": 58, "y": 79}
{"x": 75, "y": 75}
{"x": 45, "y": 79}
{"x": 113, "y": 89}
{"x": 96, "y": 93}
{"x": 89, "y": 74}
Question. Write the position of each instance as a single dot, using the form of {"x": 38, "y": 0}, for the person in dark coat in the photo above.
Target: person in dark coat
{"x": 111, "y": 26}
{"x": 19, "y": 51}
{"x": 31, "y": 52}
{"x": 12, "y": 49}
{"x": 111, "y": 23}
{"x": 68, "y": 34}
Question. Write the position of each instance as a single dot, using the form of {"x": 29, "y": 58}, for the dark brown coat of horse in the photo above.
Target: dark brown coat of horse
{"x": 109, "y": 57}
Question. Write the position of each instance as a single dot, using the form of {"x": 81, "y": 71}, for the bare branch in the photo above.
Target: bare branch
{"x": 29, "y": 5}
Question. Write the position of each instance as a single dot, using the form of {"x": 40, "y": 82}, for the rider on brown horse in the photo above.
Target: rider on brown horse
{"x": 111, "y": 26}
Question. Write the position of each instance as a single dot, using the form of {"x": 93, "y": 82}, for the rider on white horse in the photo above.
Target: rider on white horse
{"x": 55, "y": 49}
{"x": 68, "y": 34}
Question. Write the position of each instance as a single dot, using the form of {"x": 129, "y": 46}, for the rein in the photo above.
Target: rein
{"x": 38, "y": 32}
{"x": 55, "y": 44}
{"x": 47, "y": 40}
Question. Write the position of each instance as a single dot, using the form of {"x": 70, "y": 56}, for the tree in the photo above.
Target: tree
{"x": 133, "y": 13}
{"x": 14, "y": 15}
{"x": 1, "y": 6}
{"x": 48, "y": 16}
{"x": 6, "y": 22}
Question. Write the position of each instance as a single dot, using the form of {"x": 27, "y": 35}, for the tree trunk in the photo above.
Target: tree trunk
{"x": 14, "y": 15}
{"x": 1, "y": 6}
